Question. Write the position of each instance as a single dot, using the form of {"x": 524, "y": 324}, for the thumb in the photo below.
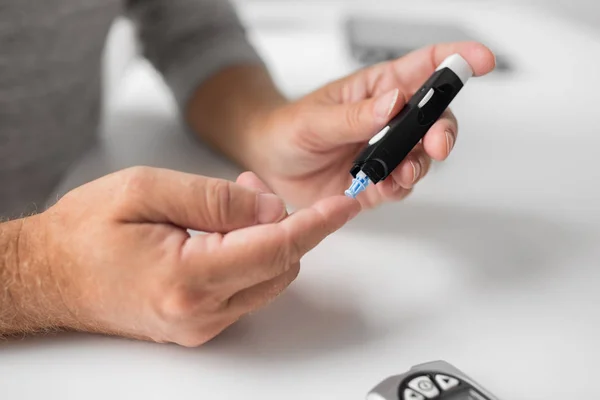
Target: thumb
{"x": 252, "y": 181}
{"x": 195, "y": 202}
{"x": 358, "y": 122}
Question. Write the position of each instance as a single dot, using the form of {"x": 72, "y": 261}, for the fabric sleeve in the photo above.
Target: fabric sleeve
{"x": 188, "y": 41}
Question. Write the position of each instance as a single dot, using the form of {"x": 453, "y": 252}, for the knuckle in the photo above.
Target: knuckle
{"x": 219, "y": 201}
{"x": 193, "y": 339}
{"x": 133, "y": 182}
{"x": 281, "y": 257}
{"x": 197, "y": 337}
{"x": 279, "y": 243}
{"x": 289, "y": 252}
{"x": 323, "y": 227}
{"x": 353, "y": 116}
{"x": 324, "y": 224}
{"x": 181, "y": 302}
{"x": 176, "y": 304}
{"x": 135, "y": 178}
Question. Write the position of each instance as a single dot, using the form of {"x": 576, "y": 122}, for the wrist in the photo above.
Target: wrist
{"x": 260, "y": 139}
{"x": 31, "y": 302}
{"x": 255, "y": 137}
{"x": 230, "y": 111}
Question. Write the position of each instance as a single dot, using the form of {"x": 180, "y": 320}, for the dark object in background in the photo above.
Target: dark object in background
{"x": 373, "y": 40}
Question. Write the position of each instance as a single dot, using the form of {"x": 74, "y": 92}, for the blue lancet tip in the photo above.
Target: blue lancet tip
{"x": 359, "y": 184}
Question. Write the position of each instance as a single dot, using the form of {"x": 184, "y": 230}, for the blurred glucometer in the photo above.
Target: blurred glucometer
{"x": 388, "y": 148}
{"x": 437, "y": 380}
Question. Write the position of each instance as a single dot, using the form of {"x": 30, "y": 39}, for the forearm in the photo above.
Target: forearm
{"x": 25, "y": 285}
{"x": 218, "y": 79}
{"x": 228, "y": 109}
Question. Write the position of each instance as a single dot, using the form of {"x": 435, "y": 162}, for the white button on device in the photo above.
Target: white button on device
{"x": 412, "y": 395}
{"x": 380, "y": 135}
{"x": 426, "y": 99}
{"x": 425, "y": 386}
{"x": 446, "y": 382}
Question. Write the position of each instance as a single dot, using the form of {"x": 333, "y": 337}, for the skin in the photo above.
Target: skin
{"x": 114, "y": 256}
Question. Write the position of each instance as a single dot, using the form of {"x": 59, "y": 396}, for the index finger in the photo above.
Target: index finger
{"x": 305, "y": 229}
{"x": 416, "y": 67}
{"x": 263, "y": 252}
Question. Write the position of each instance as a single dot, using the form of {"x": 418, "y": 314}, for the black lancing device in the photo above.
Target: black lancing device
{"x": 388, "y": 148}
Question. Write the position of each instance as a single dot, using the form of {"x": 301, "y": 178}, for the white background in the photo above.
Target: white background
{"x": 492, "y": 265}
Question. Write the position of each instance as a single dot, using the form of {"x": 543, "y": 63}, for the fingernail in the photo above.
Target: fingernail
{"x": 270, "y": 208}
{"x": 385, "y": 105}
{"x": 449, "y": 141}
{"x": 416, "y": 170}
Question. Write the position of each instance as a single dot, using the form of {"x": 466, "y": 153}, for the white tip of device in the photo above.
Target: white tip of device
{"x": 459, "y": 66}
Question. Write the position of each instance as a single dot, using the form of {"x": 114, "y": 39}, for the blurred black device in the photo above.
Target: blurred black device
{"x": 376, "y": 39}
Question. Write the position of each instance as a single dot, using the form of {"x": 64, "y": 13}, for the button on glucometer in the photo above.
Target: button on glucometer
{"x": 412, "y": 395}
{"x": 446, "y": 382}
{"x": 380, "y": 135}
{"x": 426, "y": 99}
{"x": 425, "y": 386}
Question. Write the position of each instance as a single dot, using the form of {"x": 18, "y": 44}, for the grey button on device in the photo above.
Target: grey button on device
{"x": 412, "y": 395}
{"x": 425, "y": 386}
{"x": 426, "y": 99}
{"x": 446, "y": 382}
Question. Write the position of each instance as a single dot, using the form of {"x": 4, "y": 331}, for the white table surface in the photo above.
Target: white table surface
{"x": 492, "y": 264}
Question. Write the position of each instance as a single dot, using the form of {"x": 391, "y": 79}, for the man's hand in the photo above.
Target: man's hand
{"x": 305, "y": 149}
{"x": 117, "y": 257}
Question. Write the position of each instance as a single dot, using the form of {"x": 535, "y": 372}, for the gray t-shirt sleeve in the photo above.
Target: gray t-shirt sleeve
{"x": 188, "y": 41}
